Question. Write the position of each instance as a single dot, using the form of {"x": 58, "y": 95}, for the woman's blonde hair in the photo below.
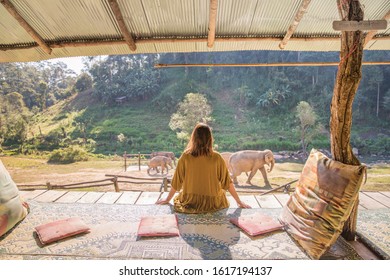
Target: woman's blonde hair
{"x": 201, "y": 141}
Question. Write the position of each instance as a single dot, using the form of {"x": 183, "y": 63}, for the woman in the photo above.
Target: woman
{"x": 201, "y": 176}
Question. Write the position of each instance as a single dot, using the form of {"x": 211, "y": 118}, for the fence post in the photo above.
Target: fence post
{"x": 165, "y": 182}
{"x": 115, "y": 180}
{"x": 125, "y": 156}
{"x": 139, "y": 161}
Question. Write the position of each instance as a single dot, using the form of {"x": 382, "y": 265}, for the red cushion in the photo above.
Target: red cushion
{"x": 163, "y": 225}
{"x": 257, "y": 223}
{"x": 60, "y": 229}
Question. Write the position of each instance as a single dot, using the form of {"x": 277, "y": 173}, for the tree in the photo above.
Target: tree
{"x": 347, "y": 81}
{"x": 307, "y": 119}
{"x": 84, "y": 82}
{"x": 193, "y": 109}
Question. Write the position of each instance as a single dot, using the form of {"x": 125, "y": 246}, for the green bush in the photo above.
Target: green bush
{"x": 68, "y": 155}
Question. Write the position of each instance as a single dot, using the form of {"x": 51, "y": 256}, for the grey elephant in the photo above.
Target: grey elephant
{"x": 251, "y": 160}
{"x": 170, "y": 155}
{"x": 159, "y": 161}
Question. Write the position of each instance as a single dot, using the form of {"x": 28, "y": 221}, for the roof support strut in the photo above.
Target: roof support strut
{"x": 212, "y": 23}
{"x": 122, "y": 26}
{"x": 297, "y": 19}
{"x": 37, "y": 38}
{"x": 372, "y": 33}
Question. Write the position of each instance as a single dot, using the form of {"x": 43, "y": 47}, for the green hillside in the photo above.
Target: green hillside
{"x": 47, "y": 108}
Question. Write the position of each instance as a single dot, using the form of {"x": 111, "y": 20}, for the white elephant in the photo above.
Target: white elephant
{"x": 251, "y": 161}
{"x": 159, "y": 161}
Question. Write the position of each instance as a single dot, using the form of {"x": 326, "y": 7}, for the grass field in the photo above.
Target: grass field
{"x": 32, "y": 171}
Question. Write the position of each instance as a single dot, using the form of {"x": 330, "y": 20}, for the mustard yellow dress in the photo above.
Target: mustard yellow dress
{"x": 202, "y": 183}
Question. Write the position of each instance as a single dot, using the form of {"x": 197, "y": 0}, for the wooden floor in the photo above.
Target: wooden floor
{"x": 367, "y": 200}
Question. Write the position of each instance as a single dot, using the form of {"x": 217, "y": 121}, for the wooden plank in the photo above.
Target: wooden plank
{"x": 268, "y": 201}
{"x": 129, "y": 197}
{"x": 90, "y": 197}
{"x": 50, "y": 196}
{"x": 109, "y": 197}
{"x": 248, "y": 199}
{"x": 27, "y": 195}
{"x": 369, "y": 203}
{"x": 380, "y": 198}
{"x": 282, "y": 198}
{"x": 71, "y": 197}
{"x": 386, "y": 193}
{"x": 148, "y": 198}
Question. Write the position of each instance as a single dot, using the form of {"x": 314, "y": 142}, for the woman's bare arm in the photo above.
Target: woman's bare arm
{"x": 232, "y": 191}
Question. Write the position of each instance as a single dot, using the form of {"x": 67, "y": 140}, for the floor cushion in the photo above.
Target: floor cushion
{"x": 12, "y": 208}
{"x": 321, "y": 203}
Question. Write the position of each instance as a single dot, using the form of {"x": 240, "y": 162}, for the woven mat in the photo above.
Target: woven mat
{"x": 373, "y": 227}
{"x": 113, "y": 236}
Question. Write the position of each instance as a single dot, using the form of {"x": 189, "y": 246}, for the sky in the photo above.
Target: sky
{"x": 73, "y": 63}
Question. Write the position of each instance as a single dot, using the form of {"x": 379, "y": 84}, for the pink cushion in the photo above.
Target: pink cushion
{"x": 256, "y": 224}
{"x": 163, "y": 225}
{"x": 60, "y": 229}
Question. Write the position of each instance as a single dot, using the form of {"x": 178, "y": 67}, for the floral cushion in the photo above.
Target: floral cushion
{"x": 323, "y": 200}
{"x": 162, "y": 225}
{"x": 60, "y": 229}
{"x": 12, "y": 208}
{"x": 256, "y": 224}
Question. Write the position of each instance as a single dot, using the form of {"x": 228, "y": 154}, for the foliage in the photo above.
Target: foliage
{"x": 68, "y": 155}
{"x": 252, "y": 107}
{"x": 192, "y": 110}
{"x": 129, "y": 76}
{"x": 84, "y": 82}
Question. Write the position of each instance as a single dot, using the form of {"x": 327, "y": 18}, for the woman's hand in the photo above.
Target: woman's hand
{"x": 162, "y": 201}
{"x": 243, "y": 205}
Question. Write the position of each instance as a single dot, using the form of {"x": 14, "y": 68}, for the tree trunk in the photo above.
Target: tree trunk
{"x": 347, "y": 81}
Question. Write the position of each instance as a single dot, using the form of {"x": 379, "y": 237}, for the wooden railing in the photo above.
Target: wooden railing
{"x": 137, "y": 156}
{"x": 164, "y": 183}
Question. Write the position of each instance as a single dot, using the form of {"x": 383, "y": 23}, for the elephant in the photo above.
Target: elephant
{"x": 170, "y": 155}
{"x": 161, "y": 161}
{"x": 251, "y": 160}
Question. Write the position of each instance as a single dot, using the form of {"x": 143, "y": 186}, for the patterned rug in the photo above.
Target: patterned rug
{"x": 373, "y": 227}
{"x": 113, "y": 236}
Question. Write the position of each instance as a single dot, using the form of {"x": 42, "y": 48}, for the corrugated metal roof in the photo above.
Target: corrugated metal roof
{"x": 87, "y": 21}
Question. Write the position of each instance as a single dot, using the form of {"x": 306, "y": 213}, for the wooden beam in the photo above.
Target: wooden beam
{"x": 212, "y": 23}
{"x": 102, "y": 42}
{"x": 364, "y": 25}
{"x": 370, "y": 35}
{"x": 37, "y": 38}
{"x": 297, "y": 19}
{"x": 294, "y": 64}
{"x": 122, "y": 25}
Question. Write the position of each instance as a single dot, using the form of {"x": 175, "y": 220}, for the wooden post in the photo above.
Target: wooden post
{"x": 165, "y": 182}
{"x": 139, "y": 161}
{"x": 125, "y": 157}
{"x": 348, "y": 78}
{"x": 116, "y": 186}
